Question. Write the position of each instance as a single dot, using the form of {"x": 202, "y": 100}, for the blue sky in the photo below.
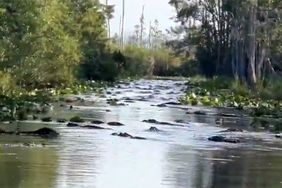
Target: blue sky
{"x": 154, "y": 9}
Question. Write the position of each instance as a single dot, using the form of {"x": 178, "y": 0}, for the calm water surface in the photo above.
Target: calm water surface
{"x": 179, "y": 157}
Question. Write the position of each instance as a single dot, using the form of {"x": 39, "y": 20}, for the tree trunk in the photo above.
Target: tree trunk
{"x": 142, "y": 26}
{"x": 122, "y": 24}
{"x": 108, "y": 23}
{"x": 251, "y": 44}
{"x": 260, "y": 59}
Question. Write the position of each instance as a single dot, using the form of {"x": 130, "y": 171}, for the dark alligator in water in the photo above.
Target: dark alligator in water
{"x": 153, "y": 121}
{"x": 46, "y": 119}
{"x": 43, "y": 132}
{"x": 173, "y": 103}
{"x": 71, "y": 124}
{"x": 126, "y": 135}
{"x": 95, "y": 127}
{"x": 232, "y": 130}
{"x": 115, "y": 124}
{"x": 97, "y": 122}
{"x": 154, "y": 129}
{"x": 223, "y": 139}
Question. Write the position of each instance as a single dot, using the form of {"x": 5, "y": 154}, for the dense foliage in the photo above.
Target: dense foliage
{"x": 51, "y": 43}
{"x": 238, "y": 38}
{"x": 141, "y": 61}
{"x": 55, "y": 43}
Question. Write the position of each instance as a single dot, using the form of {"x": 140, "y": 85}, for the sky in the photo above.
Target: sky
{"x": 154, "y": 9}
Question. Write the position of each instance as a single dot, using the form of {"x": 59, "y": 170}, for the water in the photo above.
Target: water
{"x": 179, "y": 157}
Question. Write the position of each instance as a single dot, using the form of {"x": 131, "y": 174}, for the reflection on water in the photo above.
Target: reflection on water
{"x": 28, "y": 168}
{"x": 178, "y": 157}
{"x": 186, "y": 168}
{"x": 225, "y": 168}
{"x": 250, "y": 169}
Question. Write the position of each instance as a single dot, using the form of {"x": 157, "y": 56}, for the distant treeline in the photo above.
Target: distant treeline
{"x": 241, "y": 38}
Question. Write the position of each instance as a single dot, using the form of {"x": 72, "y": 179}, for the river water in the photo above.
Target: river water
{"x": 180, "y": 156}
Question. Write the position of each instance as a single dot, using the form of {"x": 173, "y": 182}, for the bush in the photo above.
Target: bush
{"x": 216, "y": 83}
{"x": 165, "y": 63}
{"x": 7, "y": 84}
{"x": 188, "y": 68}
{"x": 136, "y": 63}
{"x": 22, "y": 115}
{"x": 141, "y": 61}
{"x": 239, "y": 88}
{"x": 272, "y": 89}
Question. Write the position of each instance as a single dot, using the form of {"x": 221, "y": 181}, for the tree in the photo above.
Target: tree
{"x": 254, "y": 23}
{"x": 90, "y": 22}
{"x": 233, "y": 36}
{"x": 55, "y": 51}
{"x": 16, "y": 30}
{"x": 45, "y": 43}
{"x": 109, "y": 9}
{"x": 142, "y": 27}
{"x": 156, "y": 34}
{"x": 122, "y": 23}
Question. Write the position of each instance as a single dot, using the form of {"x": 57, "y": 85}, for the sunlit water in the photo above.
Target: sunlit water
{"x": 179, "y": 157}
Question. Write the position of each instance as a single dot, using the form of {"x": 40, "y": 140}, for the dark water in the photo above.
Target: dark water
{"x": 179, "y": 157}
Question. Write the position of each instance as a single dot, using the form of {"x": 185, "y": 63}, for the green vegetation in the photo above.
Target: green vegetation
{"x": 225, "y": 92}
{"x": 52, "y": 43}
{"x": 239, "y": 39}
{"x": 20, "y": 103}
{"x": 48, "y": 49}
{"x": 141, "y": 61}
{"x": 264, "y": 105}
